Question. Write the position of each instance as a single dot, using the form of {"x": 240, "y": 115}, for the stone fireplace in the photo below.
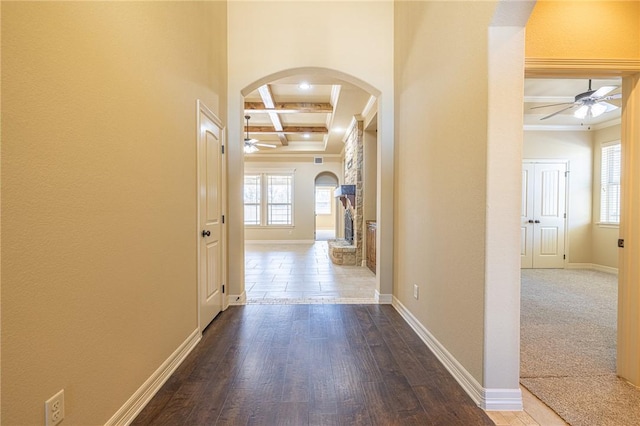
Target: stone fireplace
{"x": 348, "y": 226}
{"x": 348, "y": 250}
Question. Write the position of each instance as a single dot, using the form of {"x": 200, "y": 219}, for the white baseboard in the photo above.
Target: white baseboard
{"x": 487, "y": 399}
{"x": 594, "y": 267}
{"x": 279, "y": 241}
{"x": 128, "y": 412}
{"x": 237, "y": 299}
{"x": 384, "y": 299}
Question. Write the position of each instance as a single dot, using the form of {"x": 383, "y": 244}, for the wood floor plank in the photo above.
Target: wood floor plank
{"x": 311, "y": 365}
{"x": 320, "y": 419}
{"x": 378, "y": 403}
{"x": 291, "y": 414}
{"x": 317, "y": 322}
{"x": 403, "y": 355}
{"x": 297, "y": 374}
{"x": 322, "y": 392}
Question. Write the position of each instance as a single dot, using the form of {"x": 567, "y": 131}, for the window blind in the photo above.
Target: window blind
{"x": 610, "y": 183}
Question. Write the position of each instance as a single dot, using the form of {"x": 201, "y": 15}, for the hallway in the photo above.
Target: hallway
{"x": 311, "y": 365}
{"x": 303, "y": 273}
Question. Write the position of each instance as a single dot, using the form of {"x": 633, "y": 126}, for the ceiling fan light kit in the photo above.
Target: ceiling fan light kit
{"x": 591, "y": 103}
{"x": 590, "y": 111}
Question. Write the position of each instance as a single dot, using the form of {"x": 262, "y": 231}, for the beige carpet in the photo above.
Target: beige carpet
{"x": 568, "y": 347}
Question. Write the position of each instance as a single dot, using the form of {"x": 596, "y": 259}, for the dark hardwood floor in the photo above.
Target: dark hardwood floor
{"x": 311, "y": 365}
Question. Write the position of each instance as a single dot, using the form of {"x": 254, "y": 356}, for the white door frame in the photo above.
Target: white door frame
{"x": 628, "y": 344}
{"x": 566, "y": 200}
{"x": 203, "y": 109}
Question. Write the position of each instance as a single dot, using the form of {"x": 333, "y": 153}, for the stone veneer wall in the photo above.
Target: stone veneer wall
{"x": 353, "y": 156}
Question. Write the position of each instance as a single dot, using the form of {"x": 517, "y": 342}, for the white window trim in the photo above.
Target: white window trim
{"x": 605, "y": 224}
{"x": 264, "y": 172}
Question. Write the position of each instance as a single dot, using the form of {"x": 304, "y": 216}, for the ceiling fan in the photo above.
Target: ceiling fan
{"x": 591, "y": 103}
{"x": 251, "y": 145}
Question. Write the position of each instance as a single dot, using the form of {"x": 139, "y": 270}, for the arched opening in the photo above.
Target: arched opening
{"x": 326, "y": 217}
{"x": 307, "y": 129}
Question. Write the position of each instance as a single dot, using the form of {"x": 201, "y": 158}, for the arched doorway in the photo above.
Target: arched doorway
{"x": 326, "y": 217}
{"x": 301, "y": 134}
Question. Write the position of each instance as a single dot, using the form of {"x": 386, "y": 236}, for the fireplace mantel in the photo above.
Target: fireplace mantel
{"x": 346, "y": 193}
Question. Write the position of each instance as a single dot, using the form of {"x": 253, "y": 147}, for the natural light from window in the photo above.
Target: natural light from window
{"x": 610, "y": 183}
{"x": 268, "y": 199}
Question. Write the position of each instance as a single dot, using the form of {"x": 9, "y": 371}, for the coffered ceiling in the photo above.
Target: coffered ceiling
{"x": 302, "y": 114}
{"x": 312, "y": 118}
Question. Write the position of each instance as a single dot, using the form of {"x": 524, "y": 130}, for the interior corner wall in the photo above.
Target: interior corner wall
{"x": 328, "y": 38}
{"x": 576, "y": 147}
{"x": 303, "y": 198}
{"x": 441, "y": 159}
{"x": 99, "y": 224}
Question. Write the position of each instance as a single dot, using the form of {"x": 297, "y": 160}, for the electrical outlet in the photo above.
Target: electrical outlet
{"x": 415, "y": 291}
{"x": 54, "y": 409}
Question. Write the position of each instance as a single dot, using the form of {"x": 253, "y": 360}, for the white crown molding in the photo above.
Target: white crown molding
{"x": 580, "y": 67}
{"x": 606, "y": 124}
{"x": 548, "y": 99}
{"x": 487, "y": 399}
{"x": 555, "y": 128}
{"x": 369, "y": 106}
{"x": 350, "y": 127}
{"x": 572, "y": 127}
{"x": 288, "y": 157}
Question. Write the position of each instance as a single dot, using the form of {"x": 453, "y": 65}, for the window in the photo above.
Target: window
{"x": 252, "y": 196}
{"x": 279, "y": 199}
{"x": 610, "y": 183}
{"x": 268, "y": 199}
{"x": 323, "y": 200}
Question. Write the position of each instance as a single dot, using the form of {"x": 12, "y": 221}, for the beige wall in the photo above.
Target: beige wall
{"x": 304, "y": 196}
{"x": 441, "y": 170}
{"x": 556, "y": 29}
{"x": 604, "y": 250}
{"x": 352, "y": 40}
{"x": 99, "y": 195}
{"x": 576, "y": 148}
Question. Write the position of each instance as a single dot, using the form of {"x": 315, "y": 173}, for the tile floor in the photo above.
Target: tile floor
{"x": 303, "y": 273}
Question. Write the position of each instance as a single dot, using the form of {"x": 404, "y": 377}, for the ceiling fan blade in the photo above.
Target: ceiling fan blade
{"x": 266, "y": 145}
{"x": 557, "y": 112}
{"x": 603, "y": 91}
{"x": 610, "y": 97}
{"x": 550, "y": 105}
{"x": 610, "y": 107}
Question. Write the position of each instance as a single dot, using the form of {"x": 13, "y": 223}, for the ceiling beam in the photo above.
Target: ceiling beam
{"x": 267, "y": 100}
{"x": 289, "y": 107}
{"x": 289, "y": 129}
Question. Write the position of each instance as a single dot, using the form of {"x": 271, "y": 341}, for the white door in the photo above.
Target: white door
{"x": 210, "y": 233}
{"x": 543, "y": 220}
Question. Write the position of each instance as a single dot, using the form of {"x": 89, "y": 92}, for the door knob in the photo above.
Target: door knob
{"x": 536, "y": 221}
{"x": 206, "y": 233}
{"x": 530, "y": 221}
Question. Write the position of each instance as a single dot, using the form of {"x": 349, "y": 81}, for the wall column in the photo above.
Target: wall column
{"x": 504, "y": 173}
{"x": 628, "y": 360}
